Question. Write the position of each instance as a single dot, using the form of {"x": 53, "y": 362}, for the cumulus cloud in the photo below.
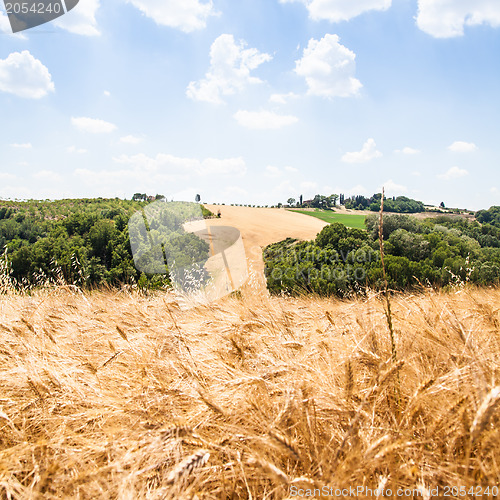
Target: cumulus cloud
{"x": 178, "y": 165}
{"x": 263, "y": 120}
{"x": 340, "y": 10}
{"x": 23, "y": 75}
{"x": 282, "y": 98}
{"x": 186, "y": 15}
{"x": 26, "y": 145}
{"x": 308, "y": 185}
{"x": 453, "y": 173}
{"x": 462, "y": 147}
{"x": 235, "y": 191}
{"x": 230, "y": 67}
{"x": 74, "y": 149}
{"x": 131, "y": 139}
{"x": 367, "y": 153}
{"x": 92, "y": 125}
{"x": 275, "y": 172}
{"x": 447, "y": 18}
{"x": 48, "y": 175}
{"x": 407, "y": 151}
{"x": 392, "y": 188}
{"x": 81, "y": 20}
{"x": 5, "y": 27}
{"x": 328, "y": 68}
{"x": 5, "y": 176}
{"x": 4, "y": 23}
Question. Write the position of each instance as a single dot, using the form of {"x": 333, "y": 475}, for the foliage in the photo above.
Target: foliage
{"x": 77, "y": 241}
{"x": 491, "y": 216}
{"x": 343, "y": 261}
{"x": 401, "y": 204}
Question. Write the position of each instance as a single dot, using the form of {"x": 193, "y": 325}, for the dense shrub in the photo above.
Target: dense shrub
{"x": 84, "y": 242}
{"x": 401, "y": 204}
{"x": 343, "y": 261}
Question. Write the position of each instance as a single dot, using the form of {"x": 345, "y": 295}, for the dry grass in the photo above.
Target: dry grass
{"x": 120, "y": 396}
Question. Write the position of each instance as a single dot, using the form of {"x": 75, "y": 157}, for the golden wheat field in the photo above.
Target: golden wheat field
{"x": 118, "y": 395}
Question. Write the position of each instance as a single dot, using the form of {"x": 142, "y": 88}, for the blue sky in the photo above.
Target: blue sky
{"x": 254, "y": 101}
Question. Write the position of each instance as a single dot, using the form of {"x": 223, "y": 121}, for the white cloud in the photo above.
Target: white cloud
{"x": 235, "y": 191}
{"x": 283, "y": 98}
{"x": 48, "y": 175}
{"x": 26, "y": 145}
{"x": 263, "y": 120}
{"x": 5, "y": 176}
{"x": 4, "y": 23}
{"x": 367, "y": 153}
{"x": 274, "y": 172}
{"x": 214, "y": 166}
{"x": 5, "y": 28}
{"x": 107, "y": 93}
{"x": 357, "y": 189}
{"x": 74, "y": 149}
{"x": 281, "y": 191}
{"x": 188, "y": 194}
{"x": 308, "y": 185}
{"x": 340, "y": 10}
{"x": 494, "y": 190}
{"x": 453, "y": 173}
{"x": 407, "y": 151}
{"x": 92, "y": 125}
{"x": 124, "y": 176}
{"x": 81, "y": 19}
{"x": 230, "y": 67}
{"x": 177, "y": 165}
{"x": 131, "y": 139}
{"x": 447, "y": 18}
{"x": 186, "y": 15}
{"x": 462, "y": 147}
{"x": 328, "y": 68}
{"x": 23, "y": 75}
{"x": 391, "y": 188}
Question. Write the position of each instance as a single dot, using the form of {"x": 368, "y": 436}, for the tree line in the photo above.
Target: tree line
{"x": 78, "y": 241}
{"x": 343, "y": 261}
{"x": 399, "y": 204}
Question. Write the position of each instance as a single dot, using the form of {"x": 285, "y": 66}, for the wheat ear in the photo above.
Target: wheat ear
{"x": 187, "y": 466}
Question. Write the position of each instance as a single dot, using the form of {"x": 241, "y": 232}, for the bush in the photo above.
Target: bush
{"x": 343, "y": 261}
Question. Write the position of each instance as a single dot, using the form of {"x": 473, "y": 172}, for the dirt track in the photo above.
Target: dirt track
{"x": 260, "y": 227}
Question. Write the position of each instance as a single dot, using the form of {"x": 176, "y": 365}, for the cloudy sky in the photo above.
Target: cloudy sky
{"x": 254, "y": 101}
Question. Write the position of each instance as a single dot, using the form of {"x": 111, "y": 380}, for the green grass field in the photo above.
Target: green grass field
{"x": 349, "y": 220}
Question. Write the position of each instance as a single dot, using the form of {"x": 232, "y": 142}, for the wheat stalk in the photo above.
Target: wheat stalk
{"x": 187, "y": 466}
{"x": 484, "y": 413}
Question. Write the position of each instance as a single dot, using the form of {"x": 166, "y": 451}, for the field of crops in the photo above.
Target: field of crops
{"x": 122, "y": 395}
{"x": 349, "y": 220}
